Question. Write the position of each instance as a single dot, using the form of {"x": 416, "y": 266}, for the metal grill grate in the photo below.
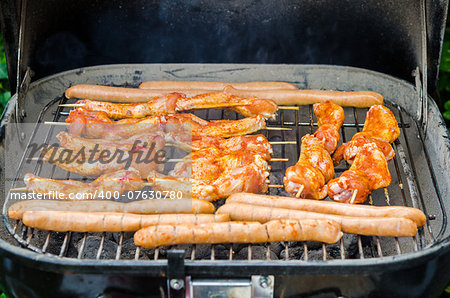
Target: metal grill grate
{"x": 406, "y": 190}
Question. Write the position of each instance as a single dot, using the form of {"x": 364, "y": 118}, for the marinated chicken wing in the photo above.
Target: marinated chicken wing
{"x": 251, "y": 143}
{"x": 368, "y": 172}
{"x": 78, "y": 159}
{"x": 349, "y": 150}
{"x": 314, "y": 168}
{"x": 176, "y": 102}
{"x": 84, "y": 123}
{"x": 380, "y": 128}
{"x": 166, "y": 104}
{"x": 380, "y": 123}
{"x": 329, "y": 113}
{"x": 215, "y": 174}
{"x": 303, "y": 174}
{"x": 115, "y": 183}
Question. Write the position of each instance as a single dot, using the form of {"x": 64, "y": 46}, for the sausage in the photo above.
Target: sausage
{"x": 413, "y": 214}
{"x": 320, "y": 230}
{"x": 205, "y": 85}
{"x": 112, "y": 94}
{"x": 238, "y": 232}
{"x": 97, "y": 222}
{"x": 369, "y": 226}
{"x": 16, "y": 210}
{"x": 358, "y": 99}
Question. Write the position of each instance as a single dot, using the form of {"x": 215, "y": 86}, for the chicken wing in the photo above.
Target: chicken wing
{"x": 368, "y": 172}
{"x": 78, "y": 159}
{"x": 252, "y": 143}
{"x": 380, "y": 128}
{"x": 215, "y": 174}
{"x": 380, "y": 123}
{"x": 314, "y": 168}
{"x": 177, "y": 102}
{"x": 114, "y": 183}
{"x": 83, "y": 122}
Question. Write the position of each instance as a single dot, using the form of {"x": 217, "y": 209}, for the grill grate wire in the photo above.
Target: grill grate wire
{"x": 301, "y": 121}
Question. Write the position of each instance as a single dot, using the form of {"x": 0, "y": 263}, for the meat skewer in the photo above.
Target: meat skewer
{"x": 16, "y": 210}
{"x": 380, "y": 127}
{"x": 139, "y": 142}
{"x": 116, "y": 182}
{"x": 246, "y": 147}
{"x": 213, "y": 174}
{"x": 368, "y": 152}
{"x": 93, "y": 157}
{"x": 369, "y": 171}
{"x": 97, "y": 222}
{"x": 178, "y": 102}
{"x": 251, "y": 143}
{"x": 369, "y": 226}
{"x": 307, "y": 179}
{"x": 98, "y": 125}
{"x": 239, "y": 232}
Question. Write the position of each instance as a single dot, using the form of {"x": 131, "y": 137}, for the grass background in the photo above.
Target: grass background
{"x": 444, "y": 77}
{"x": 443, "y": 93}
{"x": 5, "y": 93}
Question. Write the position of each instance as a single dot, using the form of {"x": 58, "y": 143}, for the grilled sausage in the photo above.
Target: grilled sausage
{"x": 238, "y": 232}
{"x": 113, "y": 94}
{"x": 369, "y": 226}
{"x": 96, "y": 222}
{"x": 413, "y": 214}
{"x": 16, "y": 210}
{"x": 359, "y": 99}
{"x": 204, "y": 85}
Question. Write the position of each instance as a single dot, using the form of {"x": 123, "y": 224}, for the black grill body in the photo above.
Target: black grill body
{"x": 396, "y": 46}
{"x": 419, "y": 271}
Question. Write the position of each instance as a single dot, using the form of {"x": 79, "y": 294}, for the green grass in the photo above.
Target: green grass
{"x": 444, "y": 78}
{"x": 5, "y": 93}
{"x": 444, "y": 95}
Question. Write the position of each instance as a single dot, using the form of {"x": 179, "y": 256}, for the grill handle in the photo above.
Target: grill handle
{"x": 179, "y": 285}
{"x": 175, "y": 273}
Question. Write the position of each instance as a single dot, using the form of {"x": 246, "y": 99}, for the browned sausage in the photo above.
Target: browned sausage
{"x": 140, "y": 207}
{"x": 413, "y": 214}
{"x": 113, "y": 94}
{"x": 96, "y": 222}
{"x": 238, "y": 232}
{"x": 205, "y": 85}
{"x": 369, "y": 226}
{"x": 359, "y": 99}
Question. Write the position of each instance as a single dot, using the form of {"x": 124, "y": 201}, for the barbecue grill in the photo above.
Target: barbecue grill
{"x": 398, "y": 56}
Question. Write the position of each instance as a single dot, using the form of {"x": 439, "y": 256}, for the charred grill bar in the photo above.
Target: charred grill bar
{"x": 393, "y": 38}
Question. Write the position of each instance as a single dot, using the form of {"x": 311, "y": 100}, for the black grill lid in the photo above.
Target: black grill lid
{"x": 383, "y": 35}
